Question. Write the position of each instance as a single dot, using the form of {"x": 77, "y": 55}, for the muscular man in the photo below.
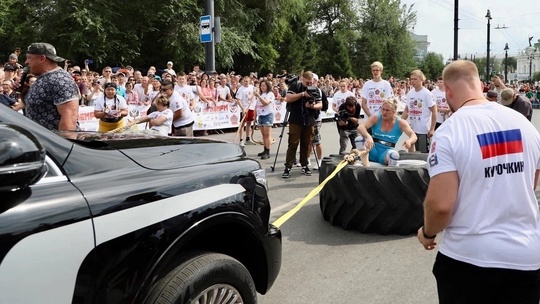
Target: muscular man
{"x": 53, "y": 100}
{"x": 484, "y": 165}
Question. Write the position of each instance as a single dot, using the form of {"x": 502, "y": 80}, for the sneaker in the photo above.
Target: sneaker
{"x": 265, "y": 156}
{"x": 306, "y": 171}
{"x": 242, "y": 143}
{"x": 286, "y": 173}
{"x": 297, "y": 163}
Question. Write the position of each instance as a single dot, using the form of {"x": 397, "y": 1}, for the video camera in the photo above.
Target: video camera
{"x": 342, "y": 115}
{"x": 313, "y": 93}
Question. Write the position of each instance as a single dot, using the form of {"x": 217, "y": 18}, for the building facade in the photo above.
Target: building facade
{"x": 528, "y": 62}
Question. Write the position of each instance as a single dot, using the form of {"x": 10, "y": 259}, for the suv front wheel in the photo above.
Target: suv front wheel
{"x": 207, "y": 278}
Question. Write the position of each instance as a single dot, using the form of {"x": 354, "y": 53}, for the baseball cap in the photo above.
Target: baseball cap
{"x": 492, "y": 94}
{"x": 507, "y": 96}
{"x": 9, "y": 67}
{"x": 121, "y": 74}
{"x": 170, "y": 62}
{"x": 41, "y": 48}
{"x": 315, "y": 76}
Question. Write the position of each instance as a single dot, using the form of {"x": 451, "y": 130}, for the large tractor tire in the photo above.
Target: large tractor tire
{"x": 376, "y": 199}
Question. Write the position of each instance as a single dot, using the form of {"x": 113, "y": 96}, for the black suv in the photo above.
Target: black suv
{"x": 112, "y": 218}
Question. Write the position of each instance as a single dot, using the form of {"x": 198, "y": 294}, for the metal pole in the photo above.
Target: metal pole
{"x": 506, "y": 63}
{"x": 456, "y": 21}
{"x": 488, "y": 16}
{"x": 210, "y": 60}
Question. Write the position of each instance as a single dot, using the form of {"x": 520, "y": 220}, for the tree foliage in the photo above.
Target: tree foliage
{"x": 432, "y": 65}
{"x": 339, "y": 37}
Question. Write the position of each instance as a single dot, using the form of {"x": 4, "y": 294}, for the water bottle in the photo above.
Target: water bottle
{"x": 360, "y": 143}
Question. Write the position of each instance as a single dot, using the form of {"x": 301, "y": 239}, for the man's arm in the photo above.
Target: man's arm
{"x": 438, "y": 206}
{"x": 433, "y": 120}
{"x": 69, "y": 113}
{"x": 406, "y": 128}
{"x": 405, "y": 113}
{"x": 365, "y": 107}
{"x": 362, "y": 129}
{"x": 536, "y": 175}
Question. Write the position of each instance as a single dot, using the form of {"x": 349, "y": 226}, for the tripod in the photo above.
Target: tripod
{"x": 285, "y": 122}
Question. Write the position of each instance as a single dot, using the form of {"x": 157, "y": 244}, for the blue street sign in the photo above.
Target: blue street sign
{"x": 206, "y": 29}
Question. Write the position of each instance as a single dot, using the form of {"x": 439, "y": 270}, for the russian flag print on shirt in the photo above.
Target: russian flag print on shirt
{"x": 500, "y": 143}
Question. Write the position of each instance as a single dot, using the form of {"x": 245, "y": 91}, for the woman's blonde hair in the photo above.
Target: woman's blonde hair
{"x": 164, "y": 101}
{"x": 392, "y": 101}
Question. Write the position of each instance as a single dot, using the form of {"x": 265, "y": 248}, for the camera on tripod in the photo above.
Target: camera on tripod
{"x": 342, "y": 115}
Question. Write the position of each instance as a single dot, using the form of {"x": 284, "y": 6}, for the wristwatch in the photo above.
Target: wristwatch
{"x": 427, "y": 236}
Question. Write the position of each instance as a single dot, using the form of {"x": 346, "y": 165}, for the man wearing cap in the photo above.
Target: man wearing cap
{"x": 492, "y": 96}
{"x": 169, "y": 69}
{"x": 519, "y": 103}
{"x": 53, "y": 100}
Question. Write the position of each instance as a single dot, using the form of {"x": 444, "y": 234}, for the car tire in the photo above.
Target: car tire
{"x": 205, "y": 275}
{"x": 376, "y": 199}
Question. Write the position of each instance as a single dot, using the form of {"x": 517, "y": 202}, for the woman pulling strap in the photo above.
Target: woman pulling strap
{"x": 111, "y": 110}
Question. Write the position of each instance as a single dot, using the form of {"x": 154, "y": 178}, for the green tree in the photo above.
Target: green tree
{"x": 432, "y": 65}
{"x": 536, "y": 76}
{"x": 385, "y": 27}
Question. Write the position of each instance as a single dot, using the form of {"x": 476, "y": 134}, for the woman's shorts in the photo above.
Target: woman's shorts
{"x": 265, "y": 120}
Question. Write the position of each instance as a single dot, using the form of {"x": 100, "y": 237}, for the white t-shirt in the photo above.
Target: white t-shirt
{"x": 439, "y": 97}
{"x": 140, "y": 91}
{"x": 112, "y": 106}
{"x": 178, "y": 102}
{"x": 170, "y": 71}
{"x": 245, "y": 95}
{"x": 223, "y": 92}
{"x": 268, "y": 109}
{"x": 339, "y": 98}
{"x": 495, "y": 221}
{"x": 165, "y": 127}
{"x": 419, "y": 104}
{"x": 186, "y": 91}
{"x": 375, "y": 93}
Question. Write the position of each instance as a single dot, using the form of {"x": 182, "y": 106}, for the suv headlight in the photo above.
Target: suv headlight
{"x": 260, "y": 176}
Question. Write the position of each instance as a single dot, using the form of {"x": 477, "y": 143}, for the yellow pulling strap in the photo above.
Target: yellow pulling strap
{"x": 311, "y": 194}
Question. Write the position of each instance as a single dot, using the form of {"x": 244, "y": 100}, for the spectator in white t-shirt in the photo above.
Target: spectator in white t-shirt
{"x": 421, "y": 111}
{"x": 169, "y": 68}
{"x": 439, "y": 96}
{"x": 265, "y": 115}
{"x": 341, "y": 95}
{"x": 375, "y": 91}
{"x": 224, "y": 92}
{"x": 184, "y": 89}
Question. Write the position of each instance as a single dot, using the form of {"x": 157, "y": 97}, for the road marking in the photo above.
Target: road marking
{"x": 286, "y": 205}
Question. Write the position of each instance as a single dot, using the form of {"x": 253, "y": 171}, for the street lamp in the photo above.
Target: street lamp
{"x": 488, "y": 16}
{"x": 530, "y": 55}
{"x": 506, "y": 63}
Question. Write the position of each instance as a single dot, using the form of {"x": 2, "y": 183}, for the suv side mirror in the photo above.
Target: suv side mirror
{"x": 22, "y": 158}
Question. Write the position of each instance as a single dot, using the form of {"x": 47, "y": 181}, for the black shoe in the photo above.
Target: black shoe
{"x": 306, "y": 171}
{"x": 286, "y": 173}
{"x": 261, "y": 154}
{"x": 265, "y": 156}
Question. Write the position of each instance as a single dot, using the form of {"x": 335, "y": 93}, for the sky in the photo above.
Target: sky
{"x": 435, "y": 18}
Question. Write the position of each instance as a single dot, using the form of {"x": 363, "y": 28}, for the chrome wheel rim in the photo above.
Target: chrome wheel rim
{"x": 219, "y": 294}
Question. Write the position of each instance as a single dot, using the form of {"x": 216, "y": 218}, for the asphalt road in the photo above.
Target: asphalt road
{"x": 326, "y": 264}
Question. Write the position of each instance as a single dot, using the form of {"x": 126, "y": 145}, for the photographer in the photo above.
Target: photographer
{"x": 347, "y": 120}
{"x": 304, "y": 104}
